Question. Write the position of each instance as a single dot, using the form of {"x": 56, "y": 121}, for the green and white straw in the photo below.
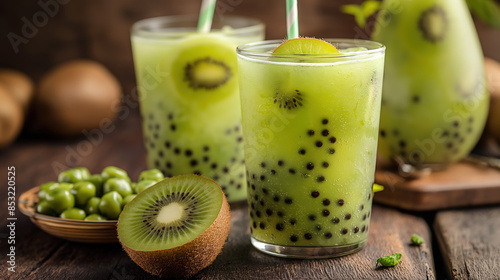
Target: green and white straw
{"x": 206, "y": 16}
{"x": 292, "y": 19}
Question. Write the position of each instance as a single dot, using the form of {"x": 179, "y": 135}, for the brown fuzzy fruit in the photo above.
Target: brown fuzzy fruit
{"x": 75, "y": 96}
{"x": 492, "y": 72}
{"x": 11, "y": 118}
{"x": 176, "y": 227}
{"x": 18, "y": 85}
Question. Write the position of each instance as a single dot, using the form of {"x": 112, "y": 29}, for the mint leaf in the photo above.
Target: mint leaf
{"x": 391, "y": 260}
{"x": 416, "y": 240}
{"x": 485, "y": 10}
{"x": 361, "y": 12}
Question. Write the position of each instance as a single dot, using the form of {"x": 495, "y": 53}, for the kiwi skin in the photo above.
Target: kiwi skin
{"x": 188, "y": 259}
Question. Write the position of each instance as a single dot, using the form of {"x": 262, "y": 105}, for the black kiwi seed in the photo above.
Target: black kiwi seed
{"x": 302, "y": 151}
{"x": 254, "y": 224}
{"x": 257, "y": 213}
{"x": 276, "y": 198}
{"x": 310, "y": 166}
{"x": 213, "y": 165}
{"x": 188, "y": 153}
{"x": 273, "y": 172}
{"x": 314, "y": 194}
{"x": 364, "y": 217}
{"x": 169, "y": 164}
{"x": 347, "y": 217}
{"x": 328, "y": 235}
{"x": 319, "y": 144}
{"x": 310, "y": 132}
{"x": 344, "y": 231}
{"x": 331, "y": 151}
{"x": 280, "y": 163}
{"x": 325, "y": 164}
{"x": 308, "y": 236}
{"x": 361, "y": 207}
{"x": 177, "y": 151}
{"x": 416, "y": 99}
{"x": 167, "y": 144}
{"x": 269, "y": 212}
{"x": 402, "y": 143}
{"x": 356, "y": 229}
{"x": 288, "y": 200}
{"x": 318, "y": 227}
{"x": 382, "y": 133}
{"x": 280, "y": 226}
{"x": 262, "y": 225}
{"x": 363, "y": 229}
{"x": 291, "y": 170}
{"x": 293, "y": 222}
{"x": 193, "y": 162}
{"x": 173, "y": 127}
{"x": 427, "y": 24}
{"x": 294, "y": 238}
{"x": 263, "y": 164}
{"x": 225, "y": 170}
{"x": 312, "y": 217}
{"x": 326, "y": 213}
{"x": 324, "y": 121}
{"x": 335, "y": 220}
{"x": 262, "y": 177}
{"x": 332, "y": 139}
{"x": 280, "y": 214}
{"x": 340, "y": 202}
{"x": 325, "y": 132}
{"x": 265, "y": 191}
{"x": 326, "y": 202}
{"x": 320, "y": 179}
{"x": 206, "y": 159}
{"x": 170, "y": 116}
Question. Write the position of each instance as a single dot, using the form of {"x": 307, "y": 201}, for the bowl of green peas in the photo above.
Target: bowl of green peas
{"x": 84, "y": 207}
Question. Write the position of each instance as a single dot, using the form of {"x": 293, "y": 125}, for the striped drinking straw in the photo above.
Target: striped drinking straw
{"x": 206, "y": 16}
{"x": 292, "y": 21}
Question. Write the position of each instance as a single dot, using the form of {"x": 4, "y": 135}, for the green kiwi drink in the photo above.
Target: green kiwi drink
{"x": 434, "y": 102}
{"x": 189, "y": 101}
{"x": 310, "y": 124}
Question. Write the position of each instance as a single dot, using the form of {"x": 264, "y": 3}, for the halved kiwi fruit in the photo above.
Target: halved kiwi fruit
{"x": 305, "y": 46}
{"x": 205, "y": 68}
{"x": 176, "y": 227}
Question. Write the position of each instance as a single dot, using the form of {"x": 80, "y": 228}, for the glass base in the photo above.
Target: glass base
{"x": 295, "y": 252}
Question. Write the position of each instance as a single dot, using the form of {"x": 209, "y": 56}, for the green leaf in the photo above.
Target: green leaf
{"x": 416, "y": 240}
{"x": 391, "y": 260}
{"x": 377, "y": 188}
{"x": 485, "y": 10}
{"x": 361, "y": 12}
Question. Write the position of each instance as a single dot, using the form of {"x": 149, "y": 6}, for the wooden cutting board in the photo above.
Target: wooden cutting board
{"x": 461, "y": 184}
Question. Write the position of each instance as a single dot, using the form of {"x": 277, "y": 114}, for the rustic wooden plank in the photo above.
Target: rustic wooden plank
{"x": 461, "y": 184}
{"x": 470, "y": 242}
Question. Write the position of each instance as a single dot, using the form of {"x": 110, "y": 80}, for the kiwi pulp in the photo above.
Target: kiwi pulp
{"x": 176, "y": 227}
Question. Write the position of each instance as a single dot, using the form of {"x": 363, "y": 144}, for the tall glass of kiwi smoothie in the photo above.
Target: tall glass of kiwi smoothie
{"x": 435, "y": 101}
{"x": 189, "y": 98}
{"x": 310, "y": 123}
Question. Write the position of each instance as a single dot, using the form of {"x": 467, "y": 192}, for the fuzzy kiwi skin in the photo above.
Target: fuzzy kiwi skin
{"x": 19, "y": 85}
{"x": 188, "y": 259}
{"x": 11, "y": 118}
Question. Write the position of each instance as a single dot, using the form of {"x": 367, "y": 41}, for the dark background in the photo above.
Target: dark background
{"x": 100, "y": 30}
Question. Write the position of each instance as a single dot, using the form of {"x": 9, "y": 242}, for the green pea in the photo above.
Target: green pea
{"x": 97, "y": 180}
{"x": 83, "y": 191}
{"x": 127, "y": 199}
{"x": 114, "y": 172}
{"x": 122, "y": 186}
{"x": 152, "y": 174}
{"x": 95, "y": 217}
{"x": 73, "y": 214}
{"x": 111, "y": 205}
{"x": 60, "y": 199}
{"x": 44, "y": 188}
{"x": 74, "y": 175}
{"x": 43, "y": 207}
{"x": 92, "y": 206}
{"x": 142, "y": 185}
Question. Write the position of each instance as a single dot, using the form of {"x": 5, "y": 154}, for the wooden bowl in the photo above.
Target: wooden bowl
{"x": 73, "y": 230}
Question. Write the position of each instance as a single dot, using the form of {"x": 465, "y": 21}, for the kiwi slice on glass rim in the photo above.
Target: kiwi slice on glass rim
{"x": 176, "y": 227}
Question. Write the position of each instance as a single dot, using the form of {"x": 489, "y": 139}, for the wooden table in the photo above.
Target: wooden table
{"x": 42, "y": 256}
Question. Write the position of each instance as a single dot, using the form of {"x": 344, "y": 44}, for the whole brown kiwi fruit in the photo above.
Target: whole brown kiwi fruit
{"x": 18, "y": 85}
{"x": 75, "y": 96}
{"x": 492, "y": 72}
{"x": 11, "y": 117}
